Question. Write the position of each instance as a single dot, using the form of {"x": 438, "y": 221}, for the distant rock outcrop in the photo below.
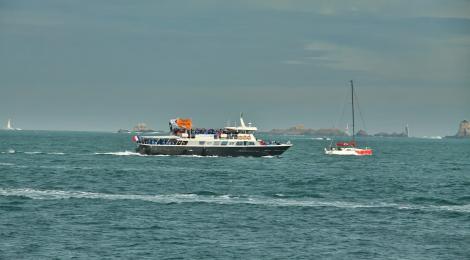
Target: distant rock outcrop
{"x": 382, "y": 134}
{"x": 464, "y": 130}
{"x": 141, "y": 127}
{"x": 362, "y": 133}
{"x": 301, "y": 130}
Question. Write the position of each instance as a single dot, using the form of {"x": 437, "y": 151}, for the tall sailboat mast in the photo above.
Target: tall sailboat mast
{"x": 352, "y": 104}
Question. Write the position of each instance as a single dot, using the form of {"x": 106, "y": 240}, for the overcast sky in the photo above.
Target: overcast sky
{"x": 105, "y": 65}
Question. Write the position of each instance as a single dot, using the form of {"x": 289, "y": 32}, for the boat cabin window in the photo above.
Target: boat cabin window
{"x": 251, "y": 143}
{"x": 148, "y": 141}
{"x": 231, "y": 143}
{"x": 239, "y": 143}
{"x": 162, "y": 141}
{"x": 217, "y": 143}
{"x": 224, "y": 143}
{"x": 209, "y": 143}
{"x": 202, "y": 142}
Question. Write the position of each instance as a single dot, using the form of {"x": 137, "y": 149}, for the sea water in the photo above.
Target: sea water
{"x": 89, "y": 195}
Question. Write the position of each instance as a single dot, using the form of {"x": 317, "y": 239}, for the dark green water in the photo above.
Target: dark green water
{"x": 81, "y": 195}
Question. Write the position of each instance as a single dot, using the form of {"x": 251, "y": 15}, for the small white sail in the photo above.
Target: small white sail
{"x": 9, "y": 127}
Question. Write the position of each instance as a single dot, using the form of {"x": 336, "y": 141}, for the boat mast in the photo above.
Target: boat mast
{"x": 352, "y": 104}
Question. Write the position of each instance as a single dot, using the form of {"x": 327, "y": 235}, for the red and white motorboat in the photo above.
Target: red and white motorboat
{"x": 349, "y": 148}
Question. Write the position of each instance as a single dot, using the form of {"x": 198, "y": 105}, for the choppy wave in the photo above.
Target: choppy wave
{"x": 223, "y": 199}
{"x": 6, "y": 164}
{"x": 54, "y": 167}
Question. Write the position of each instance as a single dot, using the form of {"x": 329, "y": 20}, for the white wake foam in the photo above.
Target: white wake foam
{"x": 321, "y": 138}
{"x": 198, "y": 156}
{"x": 11, "y": 151}
{"x": 33, "y": 152}
{"x": 432, "y": 137}
{"x": 222, "y": 199}
{"x": 125, "y": 153}
{"x": 129, "y": 153}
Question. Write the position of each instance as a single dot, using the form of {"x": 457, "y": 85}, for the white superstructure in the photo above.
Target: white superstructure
{"x": 228, "y": 136}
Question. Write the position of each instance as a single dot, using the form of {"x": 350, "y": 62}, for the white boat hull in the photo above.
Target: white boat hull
{"x": 349, "y": 151}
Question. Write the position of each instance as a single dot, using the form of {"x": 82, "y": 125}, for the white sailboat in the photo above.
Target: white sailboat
{"x": 9, "y": 127}
{"x": 349, "y": 148}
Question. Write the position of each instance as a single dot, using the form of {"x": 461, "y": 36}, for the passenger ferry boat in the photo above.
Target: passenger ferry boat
{"x": 229, "y": 141}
